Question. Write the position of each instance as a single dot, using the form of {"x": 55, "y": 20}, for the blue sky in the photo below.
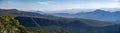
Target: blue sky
{"x": 53, "y": 5}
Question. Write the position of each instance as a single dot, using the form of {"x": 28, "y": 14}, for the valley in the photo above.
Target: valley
{"x": 35, "y": 21}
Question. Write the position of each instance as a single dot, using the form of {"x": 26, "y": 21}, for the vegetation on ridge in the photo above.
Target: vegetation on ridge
{"x": 11, "y": 25}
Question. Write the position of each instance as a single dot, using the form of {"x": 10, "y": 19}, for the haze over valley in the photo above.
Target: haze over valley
{"x": 59, "y": 16}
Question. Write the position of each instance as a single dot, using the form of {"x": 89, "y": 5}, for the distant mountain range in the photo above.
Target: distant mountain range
{"x": 96, "y": 15}
{"x": 34, "y": 21}
{"x": 73, "y": 11}
{"x": 104, "y": 14}
{"x": 15, "y": 12}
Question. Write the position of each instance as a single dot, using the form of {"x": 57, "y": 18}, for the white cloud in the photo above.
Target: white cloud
{"x": 43, "y": 3}
{"x": 53, "y": 6}
{"x": 116, "y": 0}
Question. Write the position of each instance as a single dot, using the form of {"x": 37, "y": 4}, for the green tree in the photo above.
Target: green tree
{"x": 23, "y": 29}
{"x": 39, "y": 31}
{"x": 6, "y": 24}
{"x": 58, "y": 31}
{"x": 11, "y": 25}
{"x": 66, "y": 31}
{"x": 47, "y": 32}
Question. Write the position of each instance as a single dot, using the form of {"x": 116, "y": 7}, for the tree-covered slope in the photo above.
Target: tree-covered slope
{"x": 48, "y": 23}
{"x": 15, "y": 12}
{"x": 74, "y": 25}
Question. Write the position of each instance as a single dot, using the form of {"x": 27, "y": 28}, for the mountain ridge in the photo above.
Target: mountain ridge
{"x": 96, "y": 15}
{"x": 51, "y": 23}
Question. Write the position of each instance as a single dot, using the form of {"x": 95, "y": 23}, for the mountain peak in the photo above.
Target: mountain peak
{"x": 11, "y": 9}
{"x": 99, "y": 10}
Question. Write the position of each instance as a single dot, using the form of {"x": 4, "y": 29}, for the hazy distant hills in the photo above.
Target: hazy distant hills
{"x": 104, "y": 14}
{"x": 96, "y": 15}
{"x": 35, "y": 21}
{"x": 15, "y": 12}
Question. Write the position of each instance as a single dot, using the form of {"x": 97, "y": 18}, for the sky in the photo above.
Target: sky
{"x": 54, "y": 5}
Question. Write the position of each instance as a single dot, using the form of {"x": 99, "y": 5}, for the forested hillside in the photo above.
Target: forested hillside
{"x": 72, "y": 25}
{"x": 11, "y": 25}
{"x": 16, "y": 21}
